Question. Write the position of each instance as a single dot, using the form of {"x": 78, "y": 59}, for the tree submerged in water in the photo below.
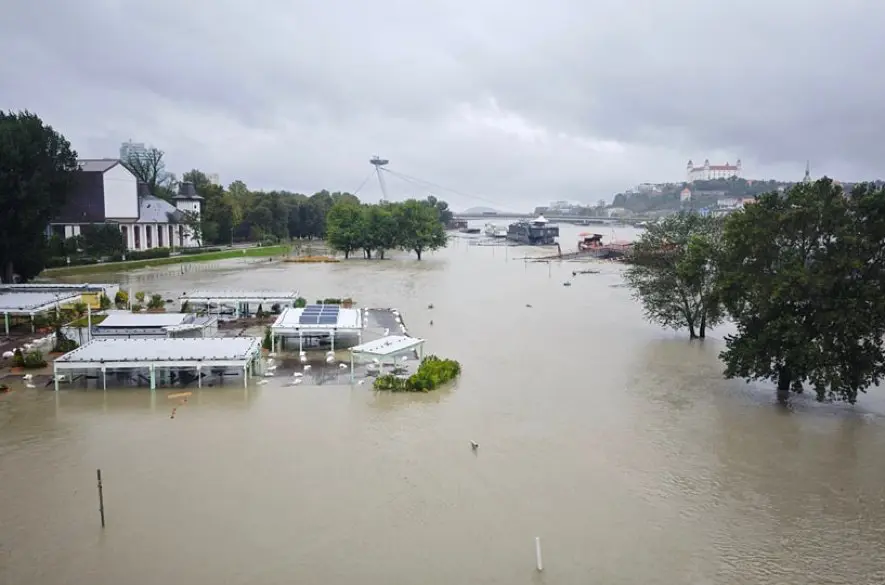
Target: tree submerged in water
{"x": 802, "y": 276}
{"x": 673, "y": 272}
{"x": 432, "y": 373}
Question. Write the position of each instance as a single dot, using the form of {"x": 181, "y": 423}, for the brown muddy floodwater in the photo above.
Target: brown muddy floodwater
{"x": 617, "y": 443}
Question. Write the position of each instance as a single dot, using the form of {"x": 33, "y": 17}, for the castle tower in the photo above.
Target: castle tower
{"x": 190, "y": 203}
{"x": 689, "y": 169}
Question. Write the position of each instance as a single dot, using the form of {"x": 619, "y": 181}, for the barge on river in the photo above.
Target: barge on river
{"x": 591, "y": 245}
{"x": 536, "y": 232}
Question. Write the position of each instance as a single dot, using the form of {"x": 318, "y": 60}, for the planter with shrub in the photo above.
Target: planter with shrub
{"x": 432, "y": 373}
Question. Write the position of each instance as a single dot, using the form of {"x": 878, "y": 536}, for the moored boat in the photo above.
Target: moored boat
{"x": 536, "y": 232}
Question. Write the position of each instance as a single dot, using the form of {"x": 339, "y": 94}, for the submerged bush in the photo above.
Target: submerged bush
{"x": 432, "y": 373}
{"x": 34, "y": 359}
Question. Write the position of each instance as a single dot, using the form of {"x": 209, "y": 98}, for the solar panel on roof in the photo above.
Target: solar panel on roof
{"x": 328, "y": 320}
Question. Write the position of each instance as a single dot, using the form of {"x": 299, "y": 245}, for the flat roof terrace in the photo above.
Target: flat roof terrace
{"x": 165, "y": 353}
{"x": 28, "y": 304}
{"x": 239, "y": 296}
{"x": 317, "y": 320}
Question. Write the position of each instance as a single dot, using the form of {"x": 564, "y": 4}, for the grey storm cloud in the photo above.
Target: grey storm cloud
{"x": 490, "y": 102}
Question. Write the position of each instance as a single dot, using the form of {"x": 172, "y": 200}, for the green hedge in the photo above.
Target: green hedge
{"x": 191, "y": 251}
{"x": 432, "y": 373}
{"x": 148, "y": 254}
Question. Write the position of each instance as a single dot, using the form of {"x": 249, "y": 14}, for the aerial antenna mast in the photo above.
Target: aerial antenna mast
{"x": 378, "y": 163}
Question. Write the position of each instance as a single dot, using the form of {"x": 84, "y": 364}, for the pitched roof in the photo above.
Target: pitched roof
{"x": 85, "y": 201}
{"x": 155, "y": 210}
{"x": 99, "y": 165}
{"x": 187, "y": 192}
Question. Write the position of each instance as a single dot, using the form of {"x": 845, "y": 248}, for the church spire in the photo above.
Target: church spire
{"x": 807, "y": 178}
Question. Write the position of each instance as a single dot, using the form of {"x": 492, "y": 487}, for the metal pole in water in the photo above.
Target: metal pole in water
{"x": 100, "y": 498}
{"x": 538, "y": 560}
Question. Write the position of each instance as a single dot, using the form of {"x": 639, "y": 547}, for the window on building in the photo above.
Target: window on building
{"x": 171, "y": 236}
{"x": 148, "y": 230}
{"x": 159, "y": 236}
{"x": 137, "y": 234}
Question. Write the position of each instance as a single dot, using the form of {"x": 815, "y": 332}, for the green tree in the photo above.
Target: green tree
{"x": 382, "y": 231}
{"x": 102, "y": 240}
{"x": 673, "y": 272}
{"x": 445, "y": 214}
{"x": 419, "y": 227}
{"x": 345, "y": 228}
{"x": 36, "y": 174}
{"x": 802, "y": 275}
{"x": 149, "y": 168}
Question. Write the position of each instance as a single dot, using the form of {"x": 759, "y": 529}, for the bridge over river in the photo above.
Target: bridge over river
{"x": 575, "y": 220}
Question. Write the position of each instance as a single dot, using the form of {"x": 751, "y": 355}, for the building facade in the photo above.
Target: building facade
{"x": 708, "y": 172}
{"x": 107, "y": 193}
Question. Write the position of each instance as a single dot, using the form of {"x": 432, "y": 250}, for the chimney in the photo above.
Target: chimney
{"x": 143, "y": 190}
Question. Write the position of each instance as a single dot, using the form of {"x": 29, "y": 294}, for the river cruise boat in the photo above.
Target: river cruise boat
{"x": 535, "y": 232}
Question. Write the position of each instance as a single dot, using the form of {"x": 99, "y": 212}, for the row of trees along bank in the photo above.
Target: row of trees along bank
{"x": 412, "y": 225}
{"x": 38, "y": 171}
{"x": 801, "y": 275}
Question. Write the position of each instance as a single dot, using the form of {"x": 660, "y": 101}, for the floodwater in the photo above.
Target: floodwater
{"x": 615, "y": 442}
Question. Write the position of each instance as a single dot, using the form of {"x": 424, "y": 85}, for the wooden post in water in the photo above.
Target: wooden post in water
{"x": 100, "y": 498}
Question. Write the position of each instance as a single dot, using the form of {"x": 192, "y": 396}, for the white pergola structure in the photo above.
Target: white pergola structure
{"x": 316, "y": 321}
{"x": 153, "y": 355}
{"x": 237, "y": 299}
{"x": 28, "y": 304}
{"x": 386, "y": 348}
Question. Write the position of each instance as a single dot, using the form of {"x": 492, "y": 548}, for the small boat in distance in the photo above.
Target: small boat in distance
{"x": 493, "y": 231}
{"x": 469, "y": 230}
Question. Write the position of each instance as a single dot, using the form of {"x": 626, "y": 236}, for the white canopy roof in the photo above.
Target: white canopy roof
{"x": 165, "y": 352}
{"x": 387, "y": 346}
{"x": 289, "y": 321}
{"x": 141, "y": 320}
{"x": 27, "y": 303}
{"x": 540, "y": 219}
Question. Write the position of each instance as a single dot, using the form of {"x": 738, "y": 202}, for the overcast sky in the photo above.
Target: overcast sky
{"x": 510, "y": 103}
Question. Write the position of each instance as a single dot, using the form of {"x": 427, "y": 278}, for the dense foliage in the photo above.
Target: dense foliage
{"x": 37, "y": 171}
{"x": 673, "y": 272}
{"x": 412, "y": 225}
{"x": 800, "y": 272}
{"x": 432, "y": 373}
{"x": 802, "y": 277}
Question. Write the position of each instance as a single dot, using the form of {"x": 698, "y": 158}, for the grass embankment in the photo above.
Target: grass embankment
{"x": 181, "y": 259}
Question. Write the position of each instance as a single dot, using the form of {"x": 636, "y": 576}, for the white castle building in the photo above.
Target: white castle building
{"x": 708, "y": 172}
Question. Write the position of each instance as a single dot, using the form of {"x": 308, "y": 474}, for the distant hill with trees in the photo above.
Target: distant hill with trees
{"x": 703, "y": 194}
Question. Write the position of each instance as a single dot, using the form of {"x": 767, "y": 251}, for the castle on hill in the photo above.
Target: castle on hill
{"x": 708, "y": 172}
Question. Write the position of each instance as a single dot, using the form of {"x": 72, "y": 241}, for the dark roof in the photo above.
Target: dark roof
{"x": 155, "y": 210}
{"x": 187, "y": 191}
{"x": 100, "y": 165}
{"x": 85, "y": 201}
